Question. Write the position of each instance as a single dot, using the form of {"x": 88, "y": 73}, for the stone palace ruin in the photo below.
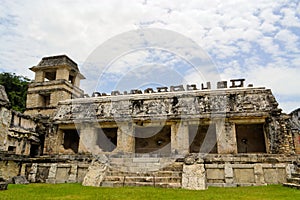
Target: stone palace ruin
{"x": 177, "y": 136}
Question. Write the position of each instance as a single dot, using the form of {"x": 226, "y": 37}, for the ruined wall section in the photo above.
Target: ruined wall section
{"x": 26, "y": 134}
{"x": 295, "y": 126}
{"x": 18, "y": 132}
{"x": 169, "y": 105}
{"x": 51, "y": 143}
{"x": 239, "y": 104}
{"x": 5, "y": 117}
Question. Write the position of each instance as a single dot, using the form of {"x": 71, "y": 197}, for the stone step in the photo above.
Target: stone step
{"x": 292, "y": 185}
{"x": 143, "y": 172}
{"x": 293, "y": 180}
{"x": 173, "y": 167}
{"x": 146, "y": 167}
{"x": 157, "y": 174}
{"x": 140, "y": 184}
{"x": 163, "y": 185}
{"x": 135, "y": 160}
{"x": 143, "y": 179}
{"x": 138, "y": 169}
{"x": 112, "y": 184}
{"x": 295, "y": 175}
{"x": 140, "y": 162}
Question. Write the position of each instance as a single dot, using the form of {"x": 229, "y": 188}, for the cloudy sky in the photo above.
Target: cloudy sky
{"x": 255, "y": 40}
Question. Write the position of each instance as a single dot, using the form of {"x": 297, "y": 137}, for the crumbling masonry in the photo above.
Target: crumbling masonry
{"x": 177, "y": 136}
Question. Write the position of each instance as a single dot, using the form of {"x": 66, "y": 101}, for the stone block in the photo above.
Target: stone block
{"x": 95, "y": 174}
{"x": 215, "y": 173}
{"x": 73, "y": 174}
{"x": 33, "y": 172}
{"x": 244, "y": 176}
{"x": 194, "y": 177}
{"x": 81, "y": 172}
{"x": 228, "y": 171}
{"x": 52, "y": 171}
{"x": 20, "y": 180}
{"x": 62, "y": 174}
{"x": 259, "y": 174}
{"x": 274, "y": 175}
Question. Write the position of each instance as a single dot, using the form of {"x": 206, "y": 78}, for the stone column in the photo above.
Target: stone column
{"x": 259, "y": 174}
{"x": 180, "y": 138}
{"x": 125, "y": 140}
{"x": 88, "y": 139}
{"x": 226, "y": 137}
{"x": 62, "y": 73}
{"x": 32, "y": 173}
{"x": 52, "y": 173}
{"x": 77, "y": 81}
{"x": 228, "y": 171}
{"x": 59, "y": 141}
{"x": 39, "y": 76}
{"x": 73, "y": 173}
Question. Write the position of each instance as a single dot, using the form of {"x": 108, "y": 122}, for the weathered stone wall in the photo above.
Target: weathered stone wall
{"x": 58, "y": 90}
{"x": 18, "y": 131}
{"x": 9, "y": 169}
{"x": 57, "y": 78}
{"x": 295, "y": 125}
{"x": 250, "y": 102}
{"x": 197, "y": 173}
{"x": 224, "y": 108}
{"x": 5, "y": 119}
{"x": 244, "y": 170}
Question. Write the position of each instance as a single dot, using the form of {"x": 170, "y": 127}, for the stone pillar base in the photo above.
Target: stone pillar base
{"x": 194, "y": 174}
{"x": 194, "y": 177}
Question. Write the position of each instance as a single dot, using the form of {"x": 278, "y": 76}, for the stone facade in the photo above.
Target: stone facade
{"x": 243, "y": 114}
{"x": 56, "y": 78}
{"x": 188, "y": 137}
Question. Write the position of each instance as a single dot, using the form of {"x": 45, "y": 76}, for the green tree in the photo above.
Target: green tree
{"x": 16, "y": 89}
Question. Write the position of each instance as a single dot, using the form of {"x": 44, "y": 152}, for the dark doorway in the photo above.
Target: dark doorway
{"x": 34, "y": 150}
{"x": 71, "y": 140}
{"x": 11, "y": 149}
{"x": 153, "y": 139}
{"x": 107, "y": 139}
{"x": 203, "y": 138}
{"x": 250, "y": 138}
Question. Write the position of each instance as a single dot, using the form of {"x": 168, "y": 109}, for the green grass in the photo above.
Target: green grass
{"x": 76, "y": 191}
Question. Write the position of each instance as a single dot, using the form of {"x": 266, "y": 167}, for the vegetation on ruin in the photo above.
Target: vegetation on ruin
{"x": 77, "y": 191}
{"x": 16, "y": 89}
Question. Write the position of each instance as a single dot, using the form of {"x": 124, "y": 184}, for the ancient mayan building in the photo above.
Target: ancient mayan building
{"x": 177, "y": 136}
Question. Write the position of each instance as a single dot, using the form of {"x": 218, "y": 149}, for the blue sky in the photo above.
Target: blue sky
{"x": 256, "y": 40}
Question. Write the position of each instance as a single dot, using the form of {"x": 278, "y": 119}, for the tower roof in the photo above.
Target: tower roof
{"x": 53, "y": 61}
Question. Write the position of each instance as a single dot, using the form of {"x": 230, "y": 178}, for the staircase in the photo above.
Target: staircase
{"x": 294, "y": 181}
{"x": 154, "y": 172}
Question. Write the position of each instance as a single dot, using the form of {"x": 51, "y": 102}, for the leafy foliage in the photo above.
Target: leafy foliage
{"x": 16, "y": 89}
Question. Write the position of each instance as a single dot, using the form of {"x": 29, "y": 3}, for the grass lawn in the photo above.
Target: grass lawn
{"x": 76, "y": 191}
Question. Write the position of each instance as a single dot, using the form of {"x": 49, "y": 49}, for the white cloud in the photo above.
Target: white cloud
{"x": 290, "y": 40}
{"x": 290, "y": 18}
{"x": 252, "y": 38}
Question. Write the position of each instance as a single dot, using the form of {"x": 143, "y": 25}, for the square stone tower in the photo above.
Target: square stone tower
{"x": 57, "y": 78}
